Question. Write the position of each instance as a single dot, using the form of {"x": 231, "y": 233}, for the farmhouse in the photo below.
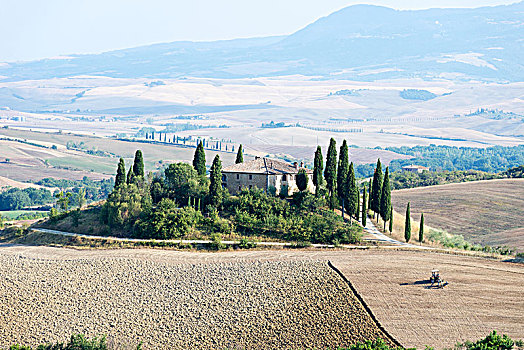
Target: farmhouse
{"x": 414, "y": 168}
{"x": 265, "y": 173}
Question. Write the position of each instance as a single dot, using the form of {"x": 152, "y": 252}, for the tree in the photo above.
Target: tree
{"x": 330, "y": 173}
{"x": 302, "y": 180}
{"x": 364, "y": 209}
{"x": 81, "y": 197}
{"x": 317, "y": 170}
{"x": 421, "y": 229}
{"x": 199, "y": 160}
{"x": 138, "y": 165}
{"x": 63, "y": 200}
{"x": 407, "y": 228}
{"x": 357, "y": 216}
{"x": 377, "y": 188}
{"x": 342, "y": 172}
{"x": 352, "y": 192}
{"x": 130, "y": 175}
{"x": 120, "y": 177}
{"x": 391, "y": 220}
{"x": 369, "y": 195}
{"x": 240, "y": 155}
{"x": 215, "y": 185}
{"x": 385, "y": 199}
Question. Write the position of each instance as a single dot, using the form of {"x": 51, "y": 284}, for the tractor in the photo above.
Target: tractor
{"x": 436, "y": 280}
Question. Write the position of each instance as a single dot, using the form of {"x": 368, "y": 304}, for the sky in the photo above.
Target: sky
{"x": 36, "y": 29}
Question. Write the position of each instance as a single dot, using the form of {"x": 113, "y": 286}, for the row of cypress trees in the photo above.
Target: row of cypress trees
{"x": 380, "y": 203}
{"x": 136, "y": 171}
{"x": 339, "y": 177}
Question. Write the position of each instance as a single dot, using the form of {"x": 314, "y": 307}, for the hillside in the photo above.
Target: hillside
{"x": 485, "y": 212}
{"x": 361, "y": 42}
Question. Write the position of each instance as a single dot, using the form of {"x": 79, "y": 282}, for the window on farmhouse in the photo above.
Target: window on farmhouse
{"x": 238, "y": 176}
{"x": 284, "y": 178}
{"x": 250, "y": 177}
{"x": 224, "y": 178}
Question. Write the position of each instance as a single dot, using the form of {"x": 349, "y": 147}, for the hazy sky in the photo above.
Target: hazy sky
{"x": 34, "y": 29}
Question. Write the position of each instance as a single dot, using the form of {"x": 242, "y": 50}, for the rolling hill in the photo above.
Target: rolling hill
{"x": 361, "y": 42}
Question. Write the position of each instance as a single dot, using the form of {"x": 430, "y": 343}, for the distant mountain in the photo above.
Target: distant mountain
{"x": 361, "y": 42}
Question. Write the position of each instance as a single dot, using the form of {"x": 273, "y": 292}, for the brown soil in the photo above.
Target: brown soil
{"x": 486, "y": 212}
{"x": 482, "y": 294}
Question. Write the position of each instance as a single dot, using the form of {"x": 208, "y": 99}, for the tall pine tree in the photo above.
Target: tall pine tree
{"x": 421, "y": 229}
{"x": 352, "y": 192}
{"x": 215, "y": 184}
{"x": 407, "y": 228}
{"x": 364, "y": 207}
{"x": 138, "y": 165}
{"x": 240, "y": 155}
{"x": 377, "y": 188}
{"x": 317, "y": 170}
{"x": 385, "y": 199}
{"x": 330, "y": 173}
{"x": 199, "y": 159}
{"x": 120, "y": 178}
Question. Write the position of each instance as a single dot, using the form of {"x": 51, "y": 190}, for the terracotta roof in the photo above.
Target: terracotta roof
{"x": 264, "y": 166}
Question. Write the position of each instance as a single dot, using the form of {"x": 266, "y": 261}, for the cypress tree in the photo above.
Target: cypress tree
{"x": 421, "y": 229}
{"x": 199, "y": 160}
{"x": 120, "y": 178}
{"x": 215, "y": 184}
{"x": 352, "y": 192}
{"x": 364, "y": 209}
{"x": 377, "y": 188}
{"x": 391, "y": 220}
{"x": 342, "y": 171}
{"x": 330, "y": 173}
{"x": 130, "y": 175}
{"x": 407, "y": 228}
{"x": 357, "y": 216}
{"x": 240, "y": 155}
{"x": 317, "y": 170}
{"x": 369, "y": 195}
{"x": 385, "y": 199}
{"x": 302, "y": 180}
{"x": 138, "y": 165}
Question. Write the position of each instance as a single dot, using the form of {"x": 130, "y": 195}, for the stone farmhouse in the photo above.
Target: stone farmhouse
{"x": 414, "y": 168}
{"x": 266, "y": 174}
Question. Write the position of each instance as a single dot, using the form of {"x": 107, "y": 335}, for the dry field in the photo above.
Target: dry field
{"x": 28, "y": 162}
{"x": 277, "y": 299}
{"x": 485, "y": 212}
{"x": 249, "y": 305}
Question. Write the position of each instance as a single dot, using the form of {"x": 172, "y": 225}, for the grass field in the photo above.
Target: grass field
{"x": 482, "y": 294}
{"x": 13, "y": 214}
{"x": 484, "y": 212}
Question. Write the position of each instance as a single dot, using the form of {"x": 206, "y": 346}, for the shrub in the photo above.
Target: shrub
{"x": 216, "y": 242}
{"x": 168, "y": 221}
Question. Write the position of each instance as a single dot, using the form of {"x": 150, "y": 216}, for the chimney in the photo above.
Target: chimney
{"x": 295, "y": 164}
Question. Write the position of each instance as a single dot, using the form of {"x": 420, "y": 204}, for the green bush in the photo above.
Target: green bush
{"x": 77, "y": 342}
{"x": 168, "y": 221}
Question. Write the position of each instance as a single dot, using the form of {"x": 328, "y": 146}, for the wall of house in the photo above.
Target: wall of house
{"x": 234, "y": 182}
